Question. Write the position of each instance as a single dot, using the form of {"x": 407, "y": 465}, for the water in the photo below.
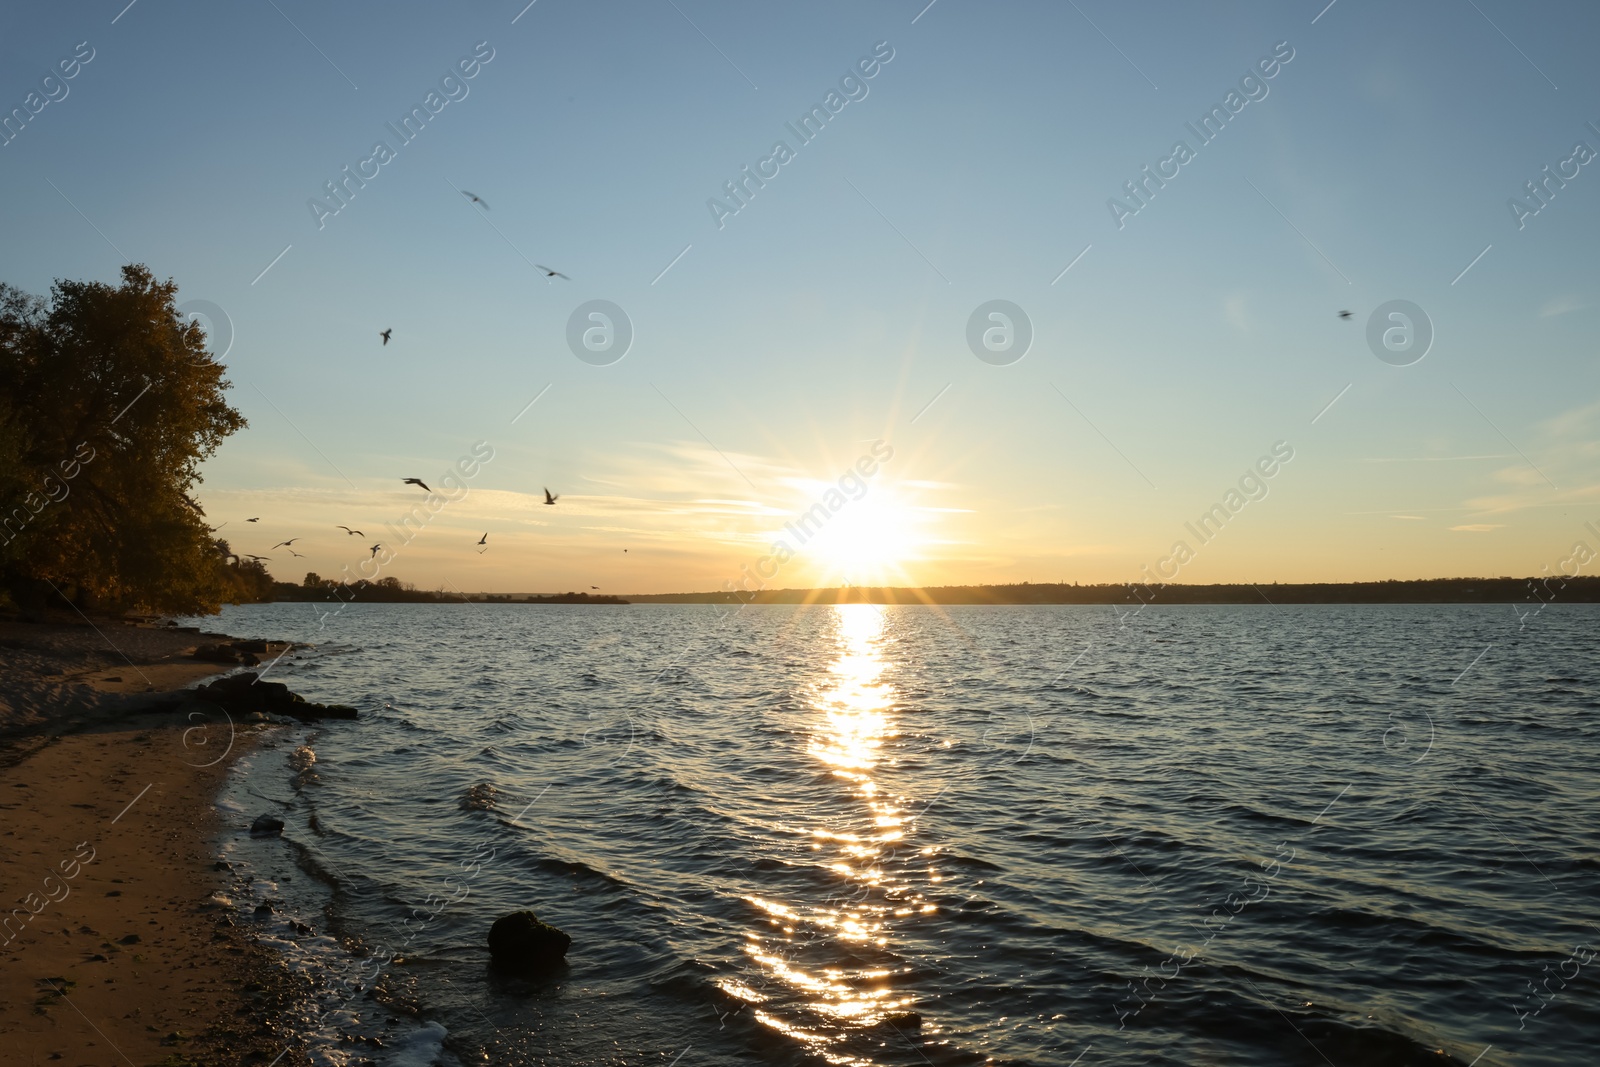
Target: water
{"x": 1209, "y": 835}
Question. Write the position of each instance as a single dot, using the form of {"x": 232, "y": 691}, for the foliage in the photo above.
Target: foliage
{"x": 109, "y": 402}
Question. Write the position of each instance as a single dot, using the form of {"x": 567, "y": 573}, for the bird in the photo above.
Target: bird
{"x": 624, "y": 552}
{"x": 416, "y": 481}
{"x": 247, "y": 556}
{"x": 352, "y": 533}
{"x": 292, "y": 552}
{"x": 476, "y": 199}
{"x": 256, "y": 519}
{"x": 548, "y": 273}
{"x": 594, "y": 587}
{"x": 484, "y": 539}
{"x": 549, "y": 498}
{"x": 286, "y": 544}
{"x": 385, "y": 334}
{"x": 375, "y": 549}
{"x": 1344, "y": 314}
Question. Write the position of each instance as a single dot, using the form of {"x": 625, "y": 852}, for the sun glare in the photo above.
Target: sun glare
{"x": 866, "y": 543}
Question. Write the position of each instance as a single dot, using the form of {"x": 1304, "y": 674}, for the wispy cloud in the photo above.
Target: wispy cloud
{"x": 1437, "y": 459}
{"x": 1562, "y": 305}
{"x": 1573, "y": 422}
{"x": 1479, "y": 527}
{"x": 1236, "y": 311}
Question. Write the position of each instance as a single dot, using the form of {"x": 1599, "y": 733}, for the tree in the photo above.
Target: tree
{"x": 110, "y": 403}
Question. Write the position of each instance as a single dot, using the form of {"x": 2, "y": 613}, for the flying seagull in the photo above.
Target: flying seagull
{"x": 375, "y": 549}
{"x": 550, "y": 499}
{"x": 292, "y": 552}
{"x": 417, "y": 481}
{"x": 352, "y": 533}
{"x": 476, "y": 199}
{"x": 548, "y": 273}
{"x": 257, "y": 557}
{"x": 594, "y": 587}
{"x": 1344, "y": 314}
{"x": 286, "y": 544}
{"x": 484, "y": 539}
{"x": 385, "y": 334}
{"x": 256, "y": 519}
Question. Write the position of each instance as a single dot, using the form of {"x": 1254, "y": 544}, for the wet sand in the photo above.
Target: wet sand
{"x": 111, "y": 949}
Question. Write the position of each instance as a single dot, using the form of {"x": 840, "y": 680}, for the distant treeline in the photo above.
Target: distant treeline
{"x": 318, "y": 589}
{"x": 1420, "y": 591}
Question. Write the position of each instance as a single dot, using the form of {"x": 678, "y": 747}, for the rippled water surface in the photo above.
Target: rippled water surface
{"x": 1205, "y": 835}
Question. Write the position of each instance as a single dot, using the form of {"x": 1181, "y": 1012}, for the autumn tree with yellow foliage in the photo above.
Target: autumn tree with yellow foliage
{"x": 109, "y": 402}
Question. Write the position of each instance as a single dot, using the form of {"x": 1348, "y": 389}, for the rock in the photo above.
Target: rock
{"x": 232, "y": 652}
{"x": 901, "y": 1020}
{"x": 520, "y": 942}
{"x": 480, "y": 797}
{"x": 335, "y": 711}
{"x": 244, "y": 694}
{"x": 266, "y": 826}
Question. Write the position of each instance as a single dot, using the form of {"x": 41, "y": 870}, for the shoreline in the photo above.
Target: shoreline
{"x": 113, "y": 948}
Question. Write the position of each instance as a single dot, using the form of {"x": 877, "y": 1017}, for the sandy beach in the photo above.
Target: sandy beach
{"x": 112, "y": 951}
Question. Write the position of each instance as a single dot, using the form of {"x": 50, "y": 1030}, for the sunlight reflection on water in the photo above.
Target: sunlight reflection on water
{"x": 825, "y": 953}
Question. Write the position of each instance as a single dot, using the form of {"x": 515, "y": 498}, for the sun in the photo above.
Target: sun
{"x": 868, "y": 542}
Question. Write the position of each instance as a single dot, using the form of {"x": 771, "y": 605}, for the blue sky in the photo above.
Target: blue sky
{"x": 833, "y": 307}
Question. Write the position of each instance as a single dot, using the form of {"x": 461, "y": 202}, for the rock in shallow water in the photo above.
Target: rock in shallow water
{"x": 244, "y": 693}
{"x": 480, "y": 797}
{"x": 266, "y": 825}
{"x": 520, "y": 942}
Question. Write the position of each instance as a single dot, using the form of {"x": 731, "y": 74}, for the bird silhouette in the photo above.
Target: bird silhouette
{"x": 292, "y": 552}
{"x": 475, "y": 198}
{"x": 258, "y": 558}
{"x": 385, "y": 335}
{"x": 1344, "y": 314}
{"x": 548, "y": 273}
{"x": 416, "y": 481}
{"x": 256, "y": 519}
{"x": 484, "y": 539}
{"x": 550, "y": 498}
{"x": 375, "y": 549}
{"x": 286, "y": 544}
{"x": 352, "y": 533}
{"x": 594, "y": 587}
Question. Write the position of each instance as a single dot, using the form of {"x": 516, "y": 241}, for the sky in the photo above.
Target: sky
{"x": 1174, "y": 340}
